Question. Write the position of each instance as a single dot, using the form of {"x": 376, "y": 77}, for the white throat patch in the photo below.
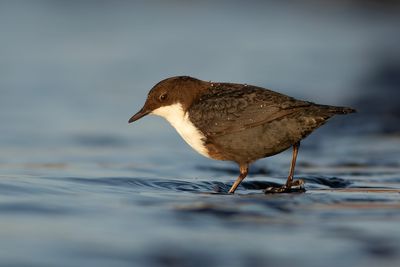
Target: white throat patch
{"x": 175, "y": 115}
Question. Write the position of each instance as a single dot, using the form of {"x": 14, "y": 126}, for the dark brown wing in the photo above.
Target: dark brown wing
{"x": 229, "y": 108}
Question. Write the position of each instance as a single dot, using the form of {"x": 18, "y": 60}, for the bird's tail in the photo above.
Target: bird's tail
{"x": 339, "y": 110}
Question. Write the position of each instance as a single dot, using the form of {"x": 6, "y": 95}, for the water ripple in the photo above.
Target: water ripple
{"x": 26, "y": 208}
{"x": 162, "y": 184}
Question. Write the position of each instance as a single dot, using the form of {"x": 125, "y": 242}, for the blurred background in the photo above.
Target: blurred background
{"x": 73, "y": 72}
{"x": 79, "y": 69}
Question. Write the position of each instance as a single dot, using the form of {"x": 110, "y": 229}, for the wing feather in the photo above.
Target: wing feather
{"x": 229, "y": 108}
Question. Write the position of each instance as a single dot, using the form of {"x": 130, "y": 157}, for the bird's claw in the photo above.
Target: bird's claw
{"x": 294, "y": 186}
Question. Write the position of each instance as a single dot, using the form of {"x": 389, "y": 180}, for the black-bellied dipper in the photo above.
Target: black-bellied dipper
{"x": 236, "y": 122}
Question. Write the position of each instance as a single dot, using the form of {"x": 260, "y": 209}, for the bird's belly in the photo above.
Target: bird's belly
{"x": 258, "y": 142}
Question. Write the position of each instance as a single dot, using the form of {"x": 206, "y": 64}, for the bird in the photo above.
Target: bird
{"x": 237, "y": 122}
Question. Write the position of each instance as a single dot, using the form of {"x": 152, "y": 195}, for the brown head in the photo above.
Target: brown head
{"x": 180, "y": 89}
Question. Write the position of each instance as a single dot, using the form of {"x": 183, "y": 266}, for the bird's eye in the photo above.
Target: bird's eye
{"x": 162, "y": 97}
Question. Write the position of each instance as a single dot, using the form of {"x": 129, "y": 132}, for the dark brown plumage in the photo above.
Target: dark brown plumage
{"x": 237, "y": 122}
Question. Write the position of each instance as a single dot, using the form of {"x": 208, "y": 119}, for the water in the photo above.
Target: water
{"x": 109, "y": 212}
{"x": 81, "y": 187}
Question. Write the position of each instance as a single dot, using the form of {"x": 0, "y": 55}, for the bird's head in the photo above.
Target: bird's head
{"x": 181, "y": 90}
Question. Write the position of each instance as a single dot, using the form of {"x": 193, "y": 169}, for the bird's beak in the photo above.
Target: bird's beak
{"x": 143, "y": 112}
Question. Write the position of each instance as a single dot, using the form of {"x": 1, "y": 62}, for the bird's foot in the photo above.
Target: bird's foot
{"x": 294, "y": 186}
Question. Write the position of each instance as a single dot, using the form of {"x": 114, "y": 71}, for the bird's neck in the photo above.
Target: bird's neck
{"x": 192, "y": 95}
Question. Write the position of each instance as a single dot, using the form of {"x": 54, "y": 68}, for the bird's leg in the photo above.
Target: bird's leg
{"x": 244, "y": 168}
{"x": 290, "y": 182}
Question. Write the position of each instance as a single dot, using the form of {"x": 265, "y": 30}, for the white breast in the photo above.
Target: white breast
{"x": 175, "y": 115}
